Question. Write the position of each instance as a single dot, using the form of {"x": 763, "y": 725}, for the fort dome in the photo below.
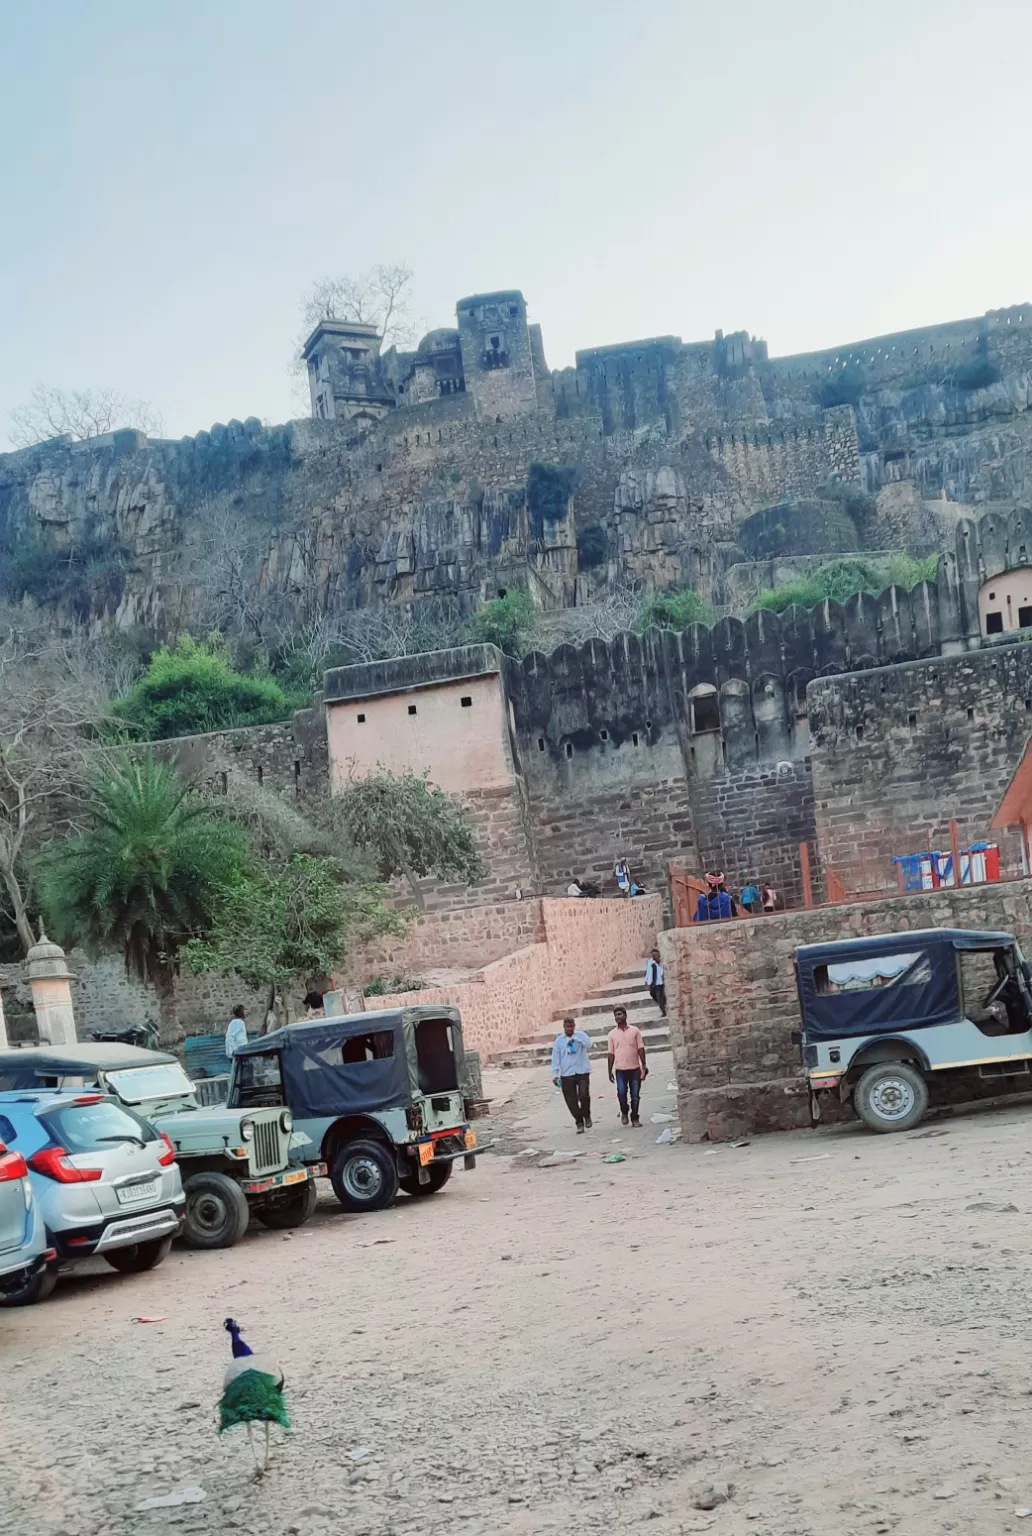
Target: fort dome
{"x": 442, "y": 340}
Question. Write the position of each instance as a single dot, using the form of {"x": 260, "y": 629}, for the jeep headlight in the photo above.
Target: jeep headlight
{"x": 247, "y": 1130}
{"x": 286, "y": 1121}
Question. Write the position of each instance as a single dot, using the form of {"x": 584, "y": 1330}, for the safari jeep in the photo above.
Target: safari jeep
{"x": 231, "y": 1163}
{"x": 886, "y": 1019}
{"x": 377, "y": 1095}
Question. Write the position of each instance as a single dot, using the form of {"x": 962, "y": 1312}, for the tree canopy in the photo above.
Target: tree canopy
{"x": 507, "y": 622}
{"x": 411, "y": 829}
{"x": 672, "y": 610}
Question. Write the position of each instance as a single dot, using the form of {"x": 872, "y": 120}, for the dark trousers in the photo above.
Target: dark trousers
{"x": 577, "y": 1093}
{"x": 629, "y": 1080}
{"x": 659, "y": 996}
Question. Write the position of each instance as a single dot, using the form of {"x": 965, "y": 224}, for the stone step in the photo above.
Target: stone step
{"x": 598, "y": 1030}
{"x": 634, "y": 1002}
{"x": 616, "y": 988}
{"x": 541, "y": 1055}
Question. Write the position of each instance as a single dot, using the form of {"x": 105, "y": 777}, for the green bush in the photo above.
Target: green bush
{"x": 839, "y": 580}
{"x": 673, "y": 610}
{"x": 193, "y": 689}
{"x": 507, "y": 622}
{"x": 386, "y": 986}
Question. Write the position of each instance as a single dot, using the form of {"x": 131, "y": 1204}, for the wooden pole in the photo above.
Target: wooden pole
{"x": 804, "y": 871}
{"x": 955, "y": 851}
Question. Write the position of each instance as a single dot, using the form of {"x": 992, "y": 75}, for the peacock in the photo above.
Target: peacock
{"x": 252, "y": 1393}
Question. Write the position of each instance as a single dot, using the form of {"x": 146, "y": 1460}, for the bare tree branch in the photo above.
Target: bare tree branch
{"x": 377, "y": 297}
{"x": 80, "y": 414}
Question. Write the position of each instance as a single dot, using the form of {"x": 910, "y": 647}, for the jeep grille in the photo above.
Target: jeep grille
{"x": 266, "y": 1145}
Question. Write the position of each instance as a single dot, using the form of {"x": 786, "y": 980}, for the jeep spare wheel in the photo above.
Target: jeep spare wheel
{"x": 217, "y": 1212}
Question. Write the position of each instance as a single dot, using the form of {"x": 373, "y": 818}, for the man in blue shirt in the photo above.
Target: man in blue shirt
{"x": 571, "y": 1070}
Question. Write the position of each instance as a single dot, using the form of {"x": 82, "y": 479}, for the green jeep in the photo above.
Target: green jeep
{"x": 232, "y": 1163}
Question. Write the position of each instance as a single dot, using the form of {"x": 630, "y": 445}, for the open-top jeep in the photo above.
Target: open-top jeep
{"x": 378, "y": 1096}
{"x": 232, "y": 1163}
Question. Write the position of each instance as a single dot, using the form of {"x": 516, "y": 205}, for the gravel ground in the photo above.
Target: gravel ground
{"x": 834, "y": 1325}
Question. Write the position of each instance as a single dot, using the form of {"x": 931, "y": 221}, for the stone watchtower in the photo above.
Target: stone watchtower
{"x": 345, "y": 375}
{"x": 497, "y": 359}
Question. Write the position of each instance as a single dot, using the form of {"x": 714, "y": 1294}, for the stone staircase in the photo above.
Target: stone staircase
{"x": 595, "y": 1015}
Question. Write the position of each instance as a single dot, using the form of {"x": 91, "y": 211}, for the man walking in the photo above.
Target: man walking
{"x": 627, "y": 1057}
{"x": 236, "y": 1034}
{"x": 571, "y": 1069}
{"x": 654, "y": 973}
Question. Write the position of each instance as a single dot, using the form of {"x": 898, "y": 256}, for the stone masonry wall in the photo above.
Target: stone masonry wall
{"x": 733, "y": 1004}
{"x": 899, "y": 751}
{"x": 461, "y": 938}
{"x": 584, "y": 944}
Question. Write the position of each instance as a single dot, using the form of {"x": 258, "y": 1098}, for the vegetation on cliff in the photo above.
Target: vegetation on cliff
{"x": 840, "y": 580}
{"x": 672, "y": 610}
{"x": 507, "y": 622}
{"x": 194, "y": 688}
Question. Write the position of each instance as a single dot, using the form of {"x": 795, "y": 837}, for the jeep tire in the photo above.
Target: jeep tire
{"x": 217, "y": 1212}
{"x": 364, "y": 1175}
{"x": 891, "y": 1096}
{"x": 290, "y": 1210}
{"x": 439, "y": 1173}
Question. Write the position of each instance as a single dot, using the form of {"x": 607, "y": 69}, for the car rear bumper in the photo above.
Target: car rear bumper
{"x": 14, "y": 1279}
{"x": 142, "y": 1227}
{"x": 277, "y": 1181}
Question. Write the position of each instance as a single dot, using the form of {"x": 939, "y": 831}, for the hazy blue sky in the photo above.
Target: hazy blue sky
{"x": 173, "y": 176}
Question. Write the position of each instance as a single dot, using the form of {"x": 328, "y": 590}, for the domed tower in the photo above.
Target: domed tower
{"x": 497, "y": 360}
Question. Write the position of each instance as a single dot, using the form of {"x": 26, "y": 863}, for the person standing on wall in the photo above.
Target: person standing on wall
{"x": 654, "y": 974}
{"x": 627, "y": 1059}
{"x": 571, "y": 1070}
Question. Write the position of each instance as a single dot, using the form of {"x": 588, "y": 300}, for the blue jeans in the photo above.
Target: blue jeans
{"x": 631, "y": 1079}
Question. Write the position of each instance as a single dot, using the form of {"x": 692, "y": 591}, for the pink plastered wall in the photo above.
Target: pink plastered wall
{"x": 585, "y": 943}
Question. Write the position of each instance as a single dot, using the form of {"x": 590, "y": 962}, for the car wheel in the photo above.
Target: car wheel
{"x": 135, "y": 1259}
{"x": 217, "y": 1212}
{"x": 291, "y": 1210}
{"x": 892, "y": 1096}
{"x": 36, "y": 1289}
{"x": 439, "y": 1176}
{"x": 364, "y": 1177}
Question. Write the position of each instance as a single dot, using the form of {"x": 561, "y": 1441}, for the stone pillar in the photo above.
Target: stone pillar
{"x": 50, "y": 981}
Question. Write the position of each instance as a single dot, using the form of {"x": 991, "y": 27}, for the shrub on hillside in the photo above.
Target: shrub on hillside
{"x": 507, "y": 622}
{"x": 839, "y": 580}
{"x": 673, "y": 610}
{"x": 192, "y": 689}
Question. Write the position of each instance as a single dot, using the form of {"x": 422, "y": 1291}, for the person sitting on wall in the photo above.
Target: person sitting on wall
{"x": 715, "y": 904}
{"x": 583, "y": 888}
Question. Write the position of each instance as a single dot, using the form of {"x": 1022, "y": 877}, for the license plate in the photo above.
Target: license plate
{"x": 295, "y": 1178}
{"x": 426, "y": 1153}
{"x": 136, "y": 1194}
{"x": 471, "y": 1140}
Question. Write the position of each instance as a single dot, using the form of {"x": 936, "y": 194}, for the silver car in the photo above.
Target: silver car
{"x": 27, "y": 1272}
{"x": 106, "y": 1182}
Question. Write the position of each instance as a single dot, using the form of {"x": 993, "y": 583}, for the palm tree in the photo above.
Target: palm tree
{"x": 144, "y": 876}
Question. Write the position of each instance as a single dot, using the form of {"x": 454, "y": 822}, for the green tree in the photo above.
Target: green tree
{"x": 673, "y": 610}
{"x": 146, "y": 875}
{"x": 507, "y": 622}
{"x": 193, "y": 689}
{"x": 411, "y": 829}
{"x": 839, "y": 580}
{"x": 275, "y": 923}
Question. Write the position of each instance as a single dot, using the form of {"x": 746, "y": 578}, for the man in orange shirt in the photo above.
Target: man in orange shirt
{"x": 627, "y": 1057}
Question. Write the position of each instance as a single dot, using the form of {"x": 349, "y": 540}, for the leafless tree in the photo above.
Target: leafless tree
{"x": 80, "y": 414}
{"x": 228, "y": 566}
{"x": 53, "y": 696}
{"x": 381, "y": 297}
{"x": 381, "y": 634}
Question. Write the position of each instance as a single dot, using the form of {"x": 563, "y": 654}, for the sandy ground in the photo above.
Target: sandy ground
{"x": 837, "y": 1324}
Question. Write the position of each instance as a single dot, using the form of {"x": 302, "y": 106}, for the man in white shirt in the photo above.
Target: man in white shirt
{"x": 571, "y": 1071}
{"x": 236, "y": 1034}
{"x": 654, "y": 973}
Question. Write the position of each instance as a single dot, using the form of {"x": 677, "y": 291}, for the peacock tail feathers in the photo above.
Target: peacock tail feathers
{"x": 252, "y": 1398}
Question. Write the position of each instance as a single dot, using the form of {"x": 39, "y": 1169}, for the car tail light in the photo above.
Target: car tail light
{"x": 12, "y": 1166}
{"x": 167, "y": 1157}
{"x": 53, "y": 1162}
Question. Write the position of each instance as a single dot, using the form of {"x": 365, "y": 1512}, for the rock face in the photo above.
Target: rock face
{"x": 684, "y": 459}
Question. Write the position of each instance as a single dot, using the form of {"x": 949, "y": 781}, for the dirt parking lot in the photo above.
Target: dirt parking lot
{"x": 835, "y": 1324}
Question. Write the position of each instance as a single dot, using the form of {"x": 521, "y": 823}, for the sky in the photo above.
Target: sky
{"x": 175, "y": 174}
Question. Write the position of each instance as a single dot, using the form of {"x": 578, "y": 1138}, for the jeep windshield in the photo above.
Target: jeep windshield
{"x": 166, "y": 1081}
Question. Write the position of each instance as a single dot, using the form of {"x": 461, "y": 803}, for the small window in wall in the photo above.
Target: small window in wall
{"x": 971, "y": 714}
{"x": 541, "y": 743}
{"x": 223, "y": 783}
{"x": 911, "y": 719}
{"x": 1025, "y": 617}
{"x": 261, "y": 775}
{"x": 603, "y": 735}
{"x": 634, "y": 738}
{"x": 514, "y": 310}
{"x": 994, "y": 623}
{"x": 705, "y": 713}
{"x": 466, "y": 701}
{"x": 569, "y": 749}
{"x": 412, "y": 709}
{"x": 360, "y": 719}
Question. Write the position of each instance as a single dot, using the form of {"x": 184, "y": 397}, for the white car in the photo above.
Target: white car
{"x": 105, "y": 1181}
